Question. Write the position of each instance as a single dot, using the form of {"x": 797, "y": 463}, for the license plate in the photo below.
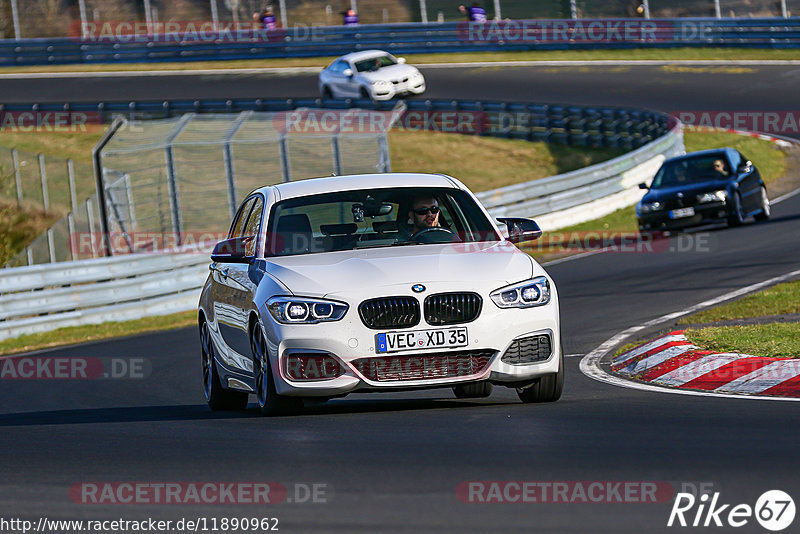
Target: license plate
{"x": 680, "y": 213}
{"x": 420, "y": 339}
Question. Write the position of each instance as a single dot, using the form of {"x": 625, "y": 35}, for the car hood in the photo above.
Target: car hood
{"x": 693, "y": 188}
{"x": 390, "y": 73}
{"x": 470, "y": 264}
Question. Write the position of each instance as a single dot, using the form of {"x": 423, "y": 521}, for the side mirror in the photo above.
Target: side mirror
{"x": 401, "y": 60}
{"x": 745, "y": 167}
{"x": 231, "y": 250}
{"x": 348, "y": 72}
{"x": 643, "y": 186}
{"x": 521, "y": 230}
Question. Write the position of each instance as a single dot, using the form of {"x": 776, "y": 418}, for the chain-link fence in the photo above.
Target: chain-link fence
{"x": 52, "y": 187}
{"x": 59, "y": 18}
{"x": 177, "y": 182}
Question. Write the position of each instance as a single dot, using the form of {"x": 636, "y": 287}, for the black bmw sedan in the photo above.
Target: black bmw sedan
{"x": 711, "y": 186}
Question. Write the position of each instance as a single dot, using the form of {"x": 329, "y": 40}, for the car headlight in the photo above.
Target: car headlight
{"x": 290, "y": 310}
{"x": 380, "y": 83}
{"x": 527, "y": 294}
{"x": 713, "y": 196}
{"x": 647, "y": 207}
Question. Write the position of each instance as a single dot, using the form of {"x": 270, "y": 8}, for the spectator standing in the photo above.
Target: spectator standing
{"x": 474, "y": 13}
{"x": 350, "y": 17}
{"x": 267, "y": 19}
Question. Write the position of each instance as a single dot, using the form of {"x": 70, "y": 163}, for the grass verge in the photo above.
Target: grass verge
{"x": 82, "y": 334}
{"x": 776, "y": 300}
{"x": 474, "y": 160}
{"x": 778, "y": 340}
{"x": 651, "y": 54}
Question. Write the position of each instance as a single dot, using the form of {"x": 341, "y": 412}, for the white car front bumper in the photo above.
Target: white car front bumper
{"x": 353, "y": 345}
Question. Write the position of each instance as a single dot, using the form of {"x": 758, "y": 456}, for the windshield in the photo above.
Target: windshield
{"x": 374, "y": 63}
{"x": 689, "y": 170}
{"x": 351, "y": 220}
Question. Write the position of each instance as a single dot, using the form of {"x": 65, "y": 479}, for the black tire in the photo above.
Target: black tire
{"x": 269, "y": 402}
{"x": 477, "y": 390}
{"x": 218, "y": 398}
{"x": 736, "y": 215}
{"x": 547, "y": 388}
{"x": 327, "y": 93}
{"x": 365, "y": 94}
{"x": 766, "y": 211}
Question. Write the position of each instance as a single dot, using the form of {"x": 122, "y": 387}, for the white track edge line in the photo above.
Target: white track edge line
{"x": 590, "y": 367}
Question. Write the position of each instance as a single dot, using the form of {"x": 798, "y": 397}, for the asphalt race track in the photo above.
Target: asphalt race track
{"x": 394, "y": 462}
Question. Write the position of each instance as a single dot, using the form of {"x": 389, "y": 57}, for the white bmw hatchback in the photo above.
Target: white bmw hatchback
{"x": 371, "y": 74}
{"x": 380, "y": 282}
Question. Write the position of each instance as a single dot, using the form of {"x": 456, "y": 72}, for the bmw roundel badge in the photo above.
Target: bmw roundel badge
{"x": 417, "y": 288}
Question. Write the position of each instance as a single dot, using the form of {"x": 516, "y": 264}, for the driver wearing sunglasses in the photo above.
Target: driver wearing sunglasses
{"x": 424, "y": 213}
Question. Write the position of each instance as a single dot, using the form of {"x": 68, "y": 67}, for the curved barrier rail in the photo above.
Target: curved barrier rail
{"x": 135, "y": 285}
{"x": 120, "y": 44}
{"x": 40, "y": 298}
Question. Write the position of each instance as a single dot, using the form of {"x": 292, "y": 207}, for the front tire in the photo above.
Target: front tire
{"x": 365, "y": 93}
{"x": 477, "y": 390}
{"x": 766, "y": 211}
{"x": 547, "y": 388}
{"x": 327, "y": 93}
{"x": 217, "y": 397}
{"x": 269, "y": 402}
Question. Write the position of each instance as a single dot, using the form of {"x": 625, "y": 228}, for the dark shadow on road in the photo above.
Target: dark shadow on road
{"x": 200, "y": 412}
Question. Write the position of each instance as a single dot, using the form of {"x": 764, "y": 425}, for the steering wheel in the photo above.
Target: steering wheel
{"x": 435, "y": 234}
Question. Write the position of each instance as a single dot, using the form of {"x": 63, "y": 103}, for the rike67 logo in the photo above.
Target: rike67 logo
{"x": 774, "y": 510}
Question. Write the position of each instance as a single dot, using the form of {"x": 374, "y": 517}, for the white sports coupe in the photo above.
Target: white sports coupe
{"x": 373, "y": 74}
{"x": 381, "y": 282}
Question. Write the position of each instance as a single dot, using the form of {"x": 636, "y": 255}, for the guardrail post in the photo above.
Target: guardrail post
{"x": 100, "y": 186}
{"x": 784, "y": 10}
{"x": 90, "y": 217}
{"x": 29, "y": 255}
{"x": 717, "y": 10}
{"x": 17, "y": 175}
{"x": 174, "y": 202}
{"x": 337, "y": 155}
{"x": 74, "y": 206}
{"x": 384, "y": 163}
{"x": 285, "y": 169}
{"x": 15, "y": 18}
{"x": 131, "y": 209}
{"x": 227, "y": 153}
{"x": 423, "y": 11}
{"x": 43, "y": 174}
{"x": 51, "y": 246}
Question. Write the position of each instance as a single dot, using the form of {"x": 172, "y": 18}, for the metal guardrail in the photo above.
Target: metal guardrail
{"x": 582, "y": 186}
{"x": 40, "y": 298}
{"x": 408, "y": 38}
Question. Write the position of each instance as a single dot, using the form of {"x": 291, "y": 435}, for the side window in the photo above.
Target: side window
{"x": 241, "y": 218}
{"x": 736, "y": 160}
{"x": 253, "y": 226}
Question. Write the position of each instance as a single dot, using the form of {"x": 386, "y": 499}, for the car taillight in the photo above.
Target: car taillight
{"x": 312, "y": 367}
